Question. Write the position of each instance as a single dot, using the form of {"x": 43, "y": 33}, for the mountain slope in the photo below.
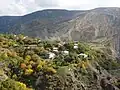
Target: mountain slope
{"x": 91, "y": 26}
{"x": 6, "y": 22}
{"x": 42, "y": 22}
{"x": 55, "y": 15}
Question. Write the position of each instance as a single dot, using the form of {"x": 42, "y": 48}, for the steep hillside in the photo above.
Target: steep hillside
{"x": 31, "y": 64}
{"x": 90, "y": 26}
{"x": 44, "y": 23}
{"x": 46, "y": 17}
{"x": 6, "y": 22}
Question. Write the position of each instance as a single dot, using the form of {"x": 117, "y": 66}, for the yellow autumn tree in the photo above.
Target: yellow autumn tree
{"x": 28, "y": 71}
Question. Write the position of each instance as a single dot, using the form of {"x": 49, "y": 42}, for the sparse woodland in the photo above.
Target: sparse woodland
{"x": 31, "y": 64}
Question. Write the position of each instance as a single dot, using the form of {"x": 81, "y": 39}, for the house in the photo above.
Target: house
{"x": 25, "y": 37}
{"x": 84, "y": 55}
{"x": 65, "y": 52}
{"x": 75, "y": 46}
{"x": 15, "y": 35}
{"x": 60, "y": 44}
{"x": 51, "y": 55}
{"x": 55, "y": 49}
{"x": 39, "y": 41}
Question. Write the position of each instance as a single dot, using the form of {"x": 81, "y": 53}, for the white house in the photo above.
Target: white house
{"x": 84, "y": 55}
{"x": 65, "y": 52}
{"x": 15, "y": 35}
{"x": 55, "y": 49}
{"x": 39, "y": 41}
{"x": 59, "y": 44}
{"x": 75, "y": 46}
{"x": 25, "y": 37}
{"x": 51, "y": 55}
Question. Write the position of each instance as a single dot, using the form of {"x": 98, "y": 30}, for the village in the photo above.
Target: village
{"x": 29, "y": 62}
{"x": 55, "y": 50}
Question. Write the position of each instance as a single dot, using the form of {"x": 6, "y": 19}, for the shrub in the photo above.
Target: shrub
{"x": 28, "y": 71}
{"x": 29, "y": 66}
{"x": 13, "y": 85}
{"x": 35, "y": 57}
{"x": 41, "y": 64}
{"x": 28, "y": 57}
{"x": 50, "y": 69}
{"x": 23, "y": 65}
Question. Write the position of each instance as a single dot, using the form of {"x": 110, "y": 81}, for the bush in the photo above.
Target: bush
{"x": 13, "y": 85}
{"x": 50, "y": 69}
{"x": 23, "y": 65}
{"x": 28, "y": 57}
{"x": 28, "y": 71}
